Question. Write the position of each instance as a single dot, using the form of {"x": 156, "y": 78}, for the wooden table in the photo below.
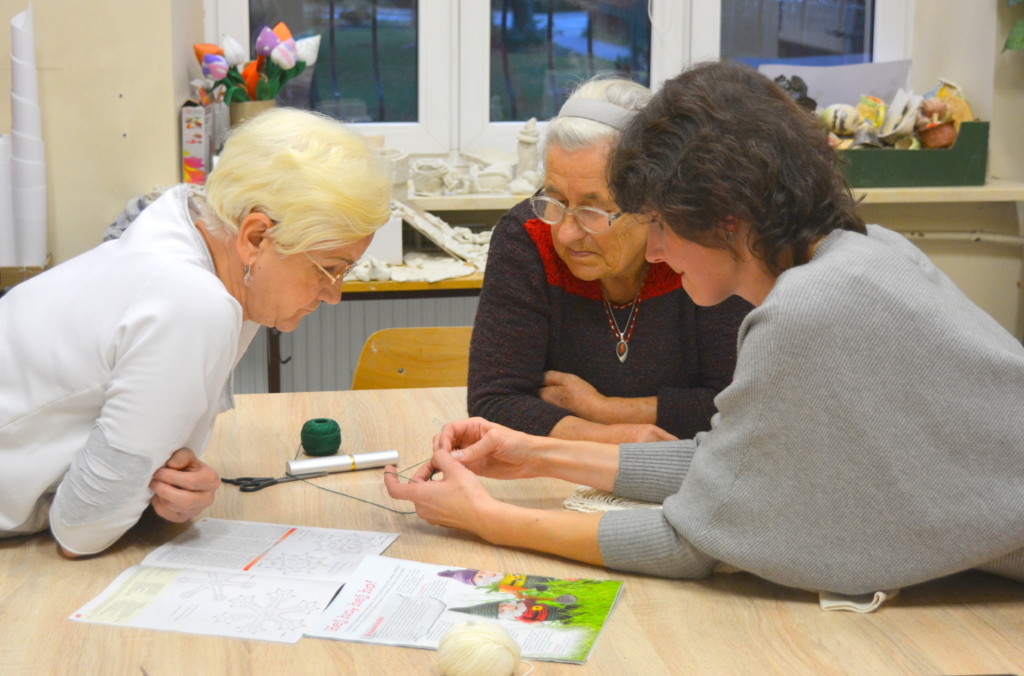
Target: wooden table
{"x": 729, "y": 624}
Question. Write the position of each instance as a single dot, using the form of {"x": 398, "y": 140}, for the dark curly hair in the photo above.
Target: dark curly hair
{"x": 720, "y": 141}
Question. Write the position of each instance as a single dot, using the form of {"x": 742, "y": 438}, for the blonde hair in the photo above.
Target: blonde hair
{"x": 314, "y": 178}
{"x": 575, "y": 133}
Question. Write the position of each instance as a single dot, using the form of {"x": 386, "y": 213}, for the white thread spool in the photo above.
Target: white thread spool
{"x": 478, "y": 649}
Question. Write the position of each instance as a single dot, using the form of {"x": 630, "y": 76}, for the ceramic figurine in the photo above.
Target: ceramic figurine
{"x": 428, "y": 176}
{"x": 397, "y": 166}
{"x": 527, "y": 149}
{"x": 461, "y": 180}
{"x": 495, "y": 177}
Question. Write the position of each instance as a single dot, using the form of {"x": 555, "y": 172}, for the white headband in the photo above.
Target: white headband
{"x": 597, "y": 110}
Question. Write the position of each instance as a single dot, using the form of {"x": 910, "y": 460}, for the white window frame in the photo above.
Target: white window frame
{"x": 454, "y": 38}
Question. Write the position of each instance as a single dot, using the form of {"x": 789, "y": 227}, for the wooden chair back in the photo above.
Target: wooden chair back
{"x": 421, "y": 356}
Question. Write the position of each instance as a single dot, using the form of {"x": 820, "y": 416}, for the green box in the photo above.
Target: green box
{"x": 964, "y": 163}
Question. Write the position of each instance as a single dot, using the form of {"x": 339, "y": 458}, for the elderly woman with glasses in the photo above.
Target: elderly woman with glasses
{"x": 116, "y": 362}
{"x": 576, "y": 336}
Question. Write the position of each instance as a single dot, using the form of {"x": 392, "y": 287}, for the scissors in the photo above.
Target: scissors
{"x": 251, "y": 484}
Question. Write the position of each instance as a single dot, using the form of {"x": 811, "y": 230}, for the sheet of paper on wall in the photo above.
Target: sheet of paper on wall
{"x": 845, "y": 84}
{"x": 239, "y": 579}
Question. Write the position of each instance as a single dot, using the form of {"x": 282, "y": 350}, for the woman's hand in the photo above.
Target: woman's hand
{"x": 459, "y": 500}
{"x": 488, "y": 449}
{"x": 183, "y": 487}
{"x": 456, "y": 500}
{"x": 574, "y": 394}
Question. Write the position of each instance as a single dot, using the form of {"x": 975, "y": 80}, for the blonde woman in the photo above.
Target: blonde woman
{"x": 116, "y": 362}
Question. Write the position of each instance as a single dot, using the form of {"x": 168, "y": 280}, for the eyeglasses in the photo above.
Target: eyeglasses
{"x": 591, "y": 219}
{"x": 334, "y": 278}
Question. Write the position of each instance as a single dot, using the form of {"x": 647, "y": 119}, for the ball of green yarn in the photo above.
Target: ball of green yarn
{"x": 321, "y": 436}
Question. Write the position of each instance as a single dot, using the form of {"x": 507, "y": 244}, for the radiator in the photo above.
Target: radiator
{"x": 322, "y": 353}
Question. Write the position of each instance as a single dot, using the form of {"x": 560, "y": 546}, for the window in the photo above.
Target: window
{"x": 811, "y": 32}
{"x": 435, "y": 76}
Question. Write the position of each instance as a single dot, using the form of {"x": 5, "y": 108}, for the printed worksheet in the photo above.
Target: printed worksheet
{"x": 396, "y": 602}
{"x": 236, "y": 578}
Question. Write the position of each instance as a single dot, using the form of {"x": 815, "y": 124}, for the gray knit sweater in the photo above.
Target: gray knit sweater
{"x": 872, "y": 438}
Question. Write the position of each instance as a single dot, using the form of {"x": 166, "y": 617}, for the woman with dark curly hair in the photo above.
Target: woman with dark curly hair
{"x": 871, "y": 437}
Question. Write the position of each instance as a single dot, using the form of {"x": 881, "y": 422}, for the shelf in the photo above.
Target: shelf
{"x": 995, "y": 190}
{"x": 476, "y": 202}
{"x": 473, "y": 281}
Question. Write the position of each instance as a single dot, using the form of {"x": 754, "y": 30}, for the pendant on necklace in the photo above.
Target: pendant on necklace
{"x": 622, "y": 350}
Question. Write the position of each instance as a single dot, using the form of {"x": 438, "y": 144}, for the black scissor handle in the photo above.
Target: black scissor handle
{"x": 249, "y": 484}
{"x": 256, "y": 484}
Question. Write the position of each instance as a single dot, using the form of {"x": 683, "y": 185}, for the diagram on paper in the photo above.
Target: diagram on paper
{"x": 278, "y": 611}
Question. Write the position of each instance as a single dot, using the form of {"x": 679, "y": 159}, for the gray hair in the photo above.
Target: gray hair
{"x": 571, "y": 132}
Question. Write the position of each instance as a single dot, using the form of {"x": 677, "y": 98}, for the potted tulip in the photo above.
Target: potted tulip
{"x": 250, "y": 86}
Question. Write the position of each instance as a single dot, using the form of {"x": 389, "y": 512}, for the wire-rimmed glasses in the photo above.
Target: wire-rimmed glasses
{"x": 334, "y": 278}
{"x": 591, "y": 219}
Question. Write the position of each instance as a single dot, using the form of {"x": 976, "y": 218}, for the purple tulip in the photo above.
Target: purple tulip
{"x": 215, "y": 67}
{"x": 266, "y": 41}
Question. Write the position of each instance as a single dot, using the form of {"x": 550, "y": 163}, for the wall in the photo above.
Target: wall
{"x": 112, "y": 75}
{"x": 962, "y": 42}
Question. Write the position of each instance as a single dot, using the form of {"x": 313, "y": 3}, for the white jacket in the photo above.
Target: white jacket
{"x": 109, "y": 363}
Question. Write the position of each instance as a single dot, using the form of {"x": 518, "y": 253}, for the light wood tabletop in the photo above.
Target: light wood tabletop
{"x": 729, "y": 624}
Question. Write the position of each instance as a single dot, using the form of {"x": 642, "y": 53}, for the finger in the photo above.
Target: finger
{"x": 396, "y": 488}
{"x": 182, "y": 495}
{"x": 200, "y": 477}
{"x": 424, "y": 471}
{"x": 552, "y": 378}
{"x": 452, "y": 435}
{"x": 184, "y": 502}
{"x": 446, "y": 438}
{"x": 181, "y": 458}
{"x": 167, "y": 511}
{"x": 448, "y": 463}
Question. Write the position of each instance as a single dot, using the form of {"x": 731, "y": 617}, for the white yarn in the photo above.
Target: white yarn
{"x": 586, "y": 499}
{"x": 478, "y": 649}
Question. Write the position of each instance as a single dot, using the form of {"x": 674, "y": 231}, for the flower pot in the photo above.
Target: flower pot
{"x": 243, "y": 110}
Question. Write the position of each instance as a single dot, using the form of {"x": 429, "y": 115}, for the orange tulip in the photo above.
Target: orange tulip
{"x": 251, "y": 75}
{"x": 204, "y": 48}
{"x": 282, "y": 32}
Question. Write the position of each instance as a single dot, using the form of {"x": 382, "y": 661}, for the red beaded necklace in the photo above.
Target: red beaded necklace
{"x": 622, "y": 346}
{"x": 622, "y": 336}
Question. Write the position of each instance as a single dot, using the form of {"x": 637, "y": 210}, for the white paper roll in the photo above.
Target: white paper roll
{"x": 23, "y": 41}
{"x": 8, "y": 249}
{"x": 25, "y": 74}
{"x": 28, "y": 169}
{"x": 26, "y": 116}
{"x": 27, "y": 147}
{"x": 30, "y": 175}
{"x": 342, "y": 462}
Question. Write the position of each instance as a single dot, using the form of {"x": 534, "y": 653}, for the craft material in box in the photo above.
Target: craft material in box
{"x": 197, "y": 138}
{"x": 964, "y": 163}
